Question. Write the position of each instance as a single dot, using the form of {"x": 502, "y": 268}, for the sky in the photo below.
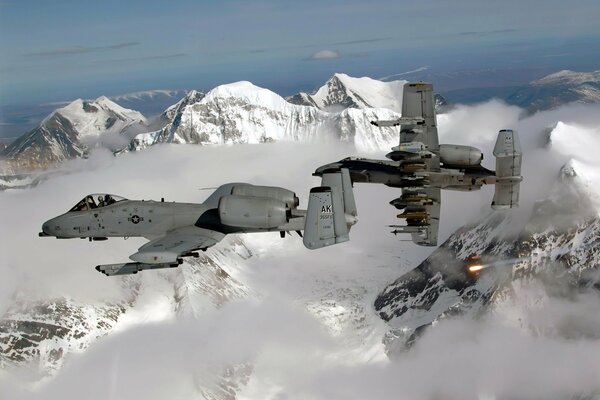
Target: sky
{"x": 66, "y": 49}
{"x": 307, "y": 326}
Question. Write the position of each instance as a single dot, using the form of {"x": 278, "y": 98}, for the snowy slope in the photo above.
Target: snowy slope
{"x": 70, "y": 131}
{"x": 101, "y": 116}
{"x": 166, "y": 124}
{"x": 343, "y": 91}
{"x": 46, "y": 333}
{"x": 172, "y": 111}
{"x": 560, "y": 241}
{"x": 557, "y": 89}
{"x": 567, "y": 77}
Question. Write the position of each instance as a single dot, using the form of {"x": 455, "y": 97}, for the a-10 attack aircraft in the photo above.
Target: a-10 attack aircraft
{"x": 178, "y": 230}
{"x": 421, "y": 167}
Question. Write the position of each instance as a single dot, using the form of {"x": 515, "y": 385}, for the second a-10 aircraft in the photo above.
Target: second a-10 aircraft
{"x": 421, "y": 167}
{"x": 179, "y": 230}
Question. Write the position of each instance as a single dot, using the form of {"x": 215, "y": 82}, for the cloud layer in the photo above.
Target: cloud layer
{"x": 311, "y": 332}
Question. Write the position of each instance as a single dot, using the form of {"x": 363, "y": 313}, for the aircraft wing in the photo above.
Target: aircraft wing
{"x": 168, "y": 248}
{"x": 508, "y": 155}
{"x": 418, "y": 102}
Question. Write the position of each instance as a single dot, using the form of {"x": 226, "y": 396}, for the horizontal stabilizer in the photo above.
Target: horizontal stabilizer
{"x": 342, "y": 181}
{"x": 508, "y": 155}
{"x": 506, "y": 196}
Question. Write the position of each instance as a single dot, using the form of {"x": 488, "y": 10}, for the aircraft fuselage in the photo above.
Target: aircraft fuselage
{"x": 131, "y": 218}
{"x": 126, "y": 218}
{"x": 390, "y": 173}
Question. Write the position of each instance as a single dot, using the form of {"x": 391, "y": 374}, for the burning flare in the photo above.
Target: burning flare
{"x": 475, "y": 268}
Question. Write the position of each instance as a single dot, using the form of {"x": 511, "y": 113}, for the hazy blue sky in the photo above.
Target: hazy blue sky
{"x": 64, "y": 49}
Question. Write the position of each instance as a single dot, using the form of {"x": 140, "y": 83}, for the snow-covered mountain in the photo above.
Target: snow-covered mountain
{"x": 343, "y": 91}
{"x": 174, "y": 110}
{"x": 168, "y": 121}
{"x": 234, "y": 113}
{"x": 244, "y": 113}
{"x": 558, "y": 244}
{"x": 69, "y": 132}
{"x": 567, "y": 77}
{"x": 45, "y": 333}
{"x": 557, "y": 89}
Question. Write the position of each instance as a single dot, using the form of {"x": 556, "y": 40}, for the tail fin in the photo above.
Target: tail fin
{"x": 342, "y": 181}
{"x": 331, "y": 211}
{"x": 508, "y": 170}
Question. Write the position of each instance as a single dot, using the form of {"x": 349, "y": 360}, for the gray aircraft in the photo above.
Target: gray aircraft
{"x": 421, "y": 167}
{"x": 178, "y": 230}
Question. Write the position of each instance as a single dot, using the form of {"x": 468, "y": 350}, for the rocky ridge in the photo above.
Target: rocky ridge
{"x": 560, "y": 240}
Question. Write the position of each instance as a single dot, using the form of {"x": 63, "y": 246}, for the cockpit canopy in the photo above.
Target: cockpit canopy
{"x": 92, "y": 201}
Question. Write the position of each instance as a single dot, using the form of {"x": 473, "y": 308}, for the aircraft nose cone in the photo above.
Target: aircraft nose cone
{"x": 47, "y": 227}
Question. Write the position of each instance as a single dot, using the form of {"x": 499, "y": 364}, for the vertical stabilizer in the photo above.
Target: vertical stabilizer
{"x": 331, "y": 211}
{"x": 342, "y": 181}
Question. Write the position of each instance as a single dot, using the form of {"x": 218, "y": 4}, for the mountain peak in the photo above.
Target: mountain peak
{"x": 570, "y": 170}
{"x": 340, "y": 77}
{"x": 584, "y": 176}
{"x": 191, "y": 94}
{"x": 103, "y": 99}
{"x": 344, "y": 91}
{"x": 70, "y": 132}
{"x": 247, "y": 91}
{"x": 568, "y": 77}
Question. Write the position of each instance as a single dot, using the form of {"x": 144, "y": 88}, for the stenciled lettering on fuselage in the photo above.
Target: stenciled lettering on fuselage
{"x": 326, "y": 216}
{"x": 326, "y": 209}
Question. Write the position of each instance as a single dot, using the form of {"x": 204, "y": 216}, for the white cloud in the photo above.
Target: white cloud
{"x": 325, "y": 55}
{"x": 312, "y": 331}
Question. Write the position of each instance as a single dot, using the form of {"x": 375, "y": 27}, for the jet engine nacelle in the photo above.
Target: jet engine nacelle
{"x": 252, "y": 212}
{"x": 281, "y": 194}
{"x": 454, "y": 154}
